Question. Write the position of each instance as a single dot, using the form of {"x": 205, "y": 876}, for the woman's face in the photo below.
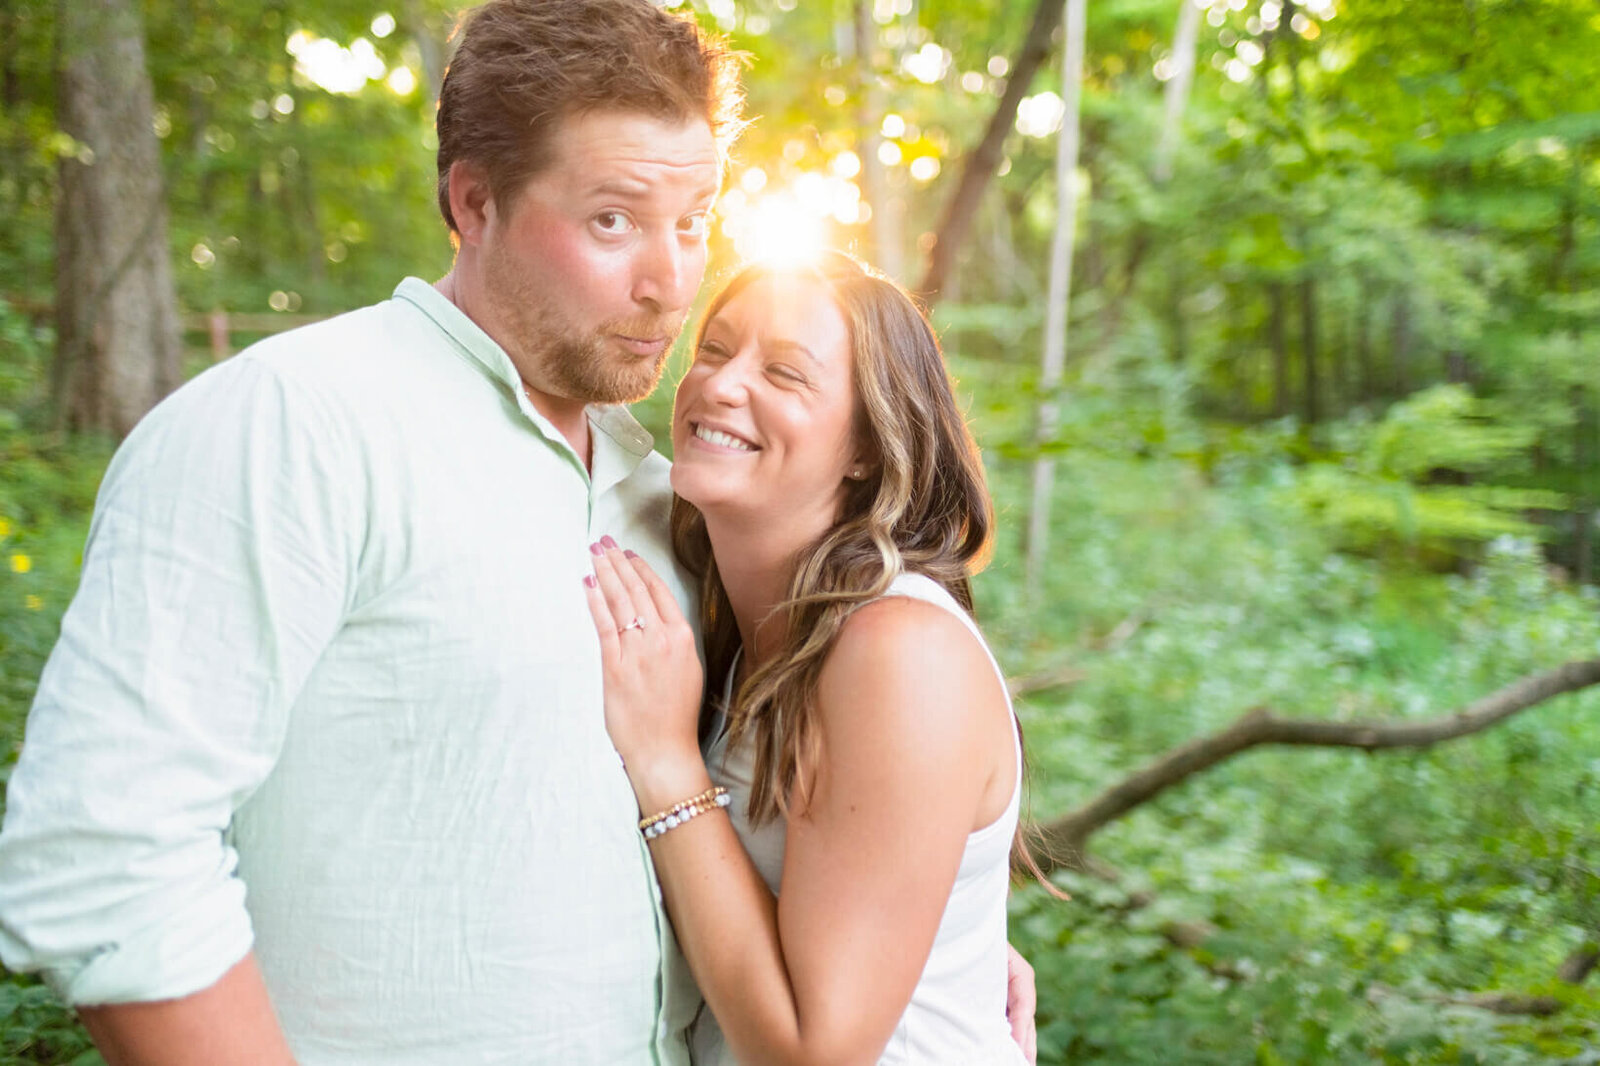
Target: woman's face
{"x": 764, "y": 422}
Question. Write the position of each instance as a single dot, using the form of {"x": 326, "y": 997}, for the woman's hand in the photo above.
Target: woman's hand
{"x": 653, "y": 677}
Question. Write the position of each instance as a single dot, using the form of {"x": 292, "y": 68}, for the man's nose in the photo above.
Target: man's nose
{"x": 668, "y": 273}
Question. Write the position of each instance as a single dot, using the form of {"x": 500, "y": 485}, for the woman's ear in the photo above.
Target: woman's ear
{"x": 864, "y": 465}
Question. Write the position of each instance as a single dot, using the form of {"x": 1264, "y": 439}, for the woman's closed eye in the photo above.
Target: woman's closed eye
{"x": 787, "y": 375}
{"x": 710, "y": 352}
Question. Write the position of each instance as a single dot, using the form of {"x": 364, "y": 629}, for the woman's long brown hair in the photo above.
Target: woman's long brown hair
{"x": 923, "y": 508}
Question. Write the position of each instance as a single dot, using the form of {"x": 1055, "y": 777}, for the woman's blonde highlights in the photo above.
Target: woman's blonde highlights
{"x": 922, "y": 505}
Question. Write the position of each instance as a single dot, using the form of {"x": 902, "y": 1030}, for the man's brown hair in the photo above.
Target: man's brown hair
{"x": 523, "y": 66}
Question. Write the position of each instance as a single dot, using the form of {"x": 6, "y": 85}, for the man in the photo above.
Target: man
{"x": 330, "y": 641}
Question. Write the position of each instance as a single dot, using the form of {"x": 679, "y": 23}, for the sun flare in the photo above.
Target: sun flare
{"x": 791, "y": 225}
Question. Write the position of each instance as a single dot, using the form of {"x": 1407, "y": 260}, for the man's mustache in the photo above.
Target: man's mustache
{"x": 647, "y": 328}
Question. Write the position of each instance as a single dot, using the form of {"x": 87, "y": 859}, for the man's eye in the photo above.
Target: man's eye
{"x": 611, "y": 222}
{"x": 693, "y": 226}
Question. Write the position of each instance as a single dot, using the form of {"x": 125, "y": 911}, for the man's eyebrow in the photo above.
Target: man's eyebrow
{"x": 638, "y": 190}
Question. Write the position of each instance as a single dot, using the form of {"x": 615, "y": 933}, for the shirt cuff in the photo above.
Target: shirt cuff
{"x": 186, "y": 953}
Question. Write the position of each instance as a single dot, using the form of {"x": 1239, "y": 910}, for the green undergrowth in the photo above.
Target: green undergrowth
{"x": 1296, "y": 905}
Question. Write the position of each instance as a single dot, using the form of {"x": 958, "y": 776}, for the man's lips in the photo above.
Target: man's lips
{"x": 644, "y": 346}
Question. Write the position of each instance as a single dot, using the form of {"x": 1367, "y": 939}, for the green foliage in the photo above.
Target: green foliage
{"x": 1393, "y": 486}
{"x": 1345, "y": 899}
{"x": 45, "y": 500}
{"x": 35, "y": 1029}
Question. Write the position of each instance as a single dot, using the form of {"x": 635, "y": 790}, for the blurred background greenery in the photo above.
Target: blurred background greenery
{"x": 1325, "y": 440}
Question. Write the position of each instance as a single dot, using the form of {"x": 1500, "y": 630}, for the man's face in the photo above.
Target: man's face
{"x": 590, "y": 270}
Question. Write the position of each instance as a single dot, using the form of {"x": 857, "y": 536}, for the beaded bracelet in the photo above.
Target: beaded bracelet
{"x": 681, "y": 812}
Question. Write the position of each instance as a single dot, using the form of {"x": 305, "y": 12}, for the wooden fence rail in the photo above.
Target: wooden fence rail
{"x": 218, "y": 326}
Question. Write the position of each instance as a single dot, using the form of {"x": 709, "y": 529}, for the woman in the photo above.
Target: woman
{"x": 832, "y": 504}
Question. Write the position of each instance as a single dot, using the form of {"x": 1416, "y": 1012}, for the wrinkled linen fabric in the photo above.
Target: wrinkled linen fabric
{"x": 329, "y": 691}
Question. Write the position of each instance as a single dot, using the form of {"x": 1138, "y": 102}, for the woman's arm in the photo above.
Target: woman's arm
{"x": 912, "y": 717}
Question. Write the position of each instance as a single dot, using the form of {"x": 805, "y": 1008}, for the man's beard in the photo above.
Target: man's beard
{"x": 581, "y": 368}
{"x": 567, "y": 363}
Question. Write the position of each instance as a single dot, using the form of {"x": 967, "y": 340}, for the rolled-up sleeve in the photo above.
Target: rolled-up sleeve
{"x": 219, "y": 565}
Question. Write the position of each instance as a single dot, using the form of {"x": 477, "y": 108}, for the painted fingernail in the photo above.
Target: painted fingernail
{"x": 589, "y": 581}
{"x": 596, "y": 549}
{"x": 607, "y": 541}
{"x": 630, "y": 553}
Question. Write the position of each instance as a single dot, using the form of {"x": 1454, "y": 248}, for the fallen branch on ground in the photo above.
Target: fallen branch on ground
{"x": 1512, "y": 1003}
{"x": 1065, "y": 837}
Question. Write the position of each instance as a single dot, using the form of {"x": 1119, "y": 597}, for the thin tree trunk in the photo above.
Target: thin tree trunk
{"x": 1278, "y": 341}
{"x": 1583, "y": 504}
{"x": 1341, "y": 329}
{"x": 420, "y": 29}
{"x": 882, "y": 226}
{"x": 1059, "y": 300}
{"x": 983, "y": 160}
{"x": 10, "y": 80}
{"x": 309, "y": 225}
{"x": 1366, "y": 387}
{"x": 1176, "y": 99}
{"x": 1177, "y": 324}
{"x": 1400, "y": 345}
{"x": 1308, "y": 350}
{"x": 1176, "y": 94}
{"x": 117, "y": 339}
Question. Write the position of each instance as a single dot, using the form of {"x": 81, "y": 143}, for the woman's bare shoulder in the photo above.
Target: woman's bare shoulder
{"x": 912, "y": 663}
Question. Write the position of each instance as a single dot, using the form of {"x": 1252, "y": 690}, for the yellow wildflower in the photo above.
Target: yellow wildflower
{"x": 32, "y": 602}
{"x": 5, "y": 528}
{"x": 21, "y": 563}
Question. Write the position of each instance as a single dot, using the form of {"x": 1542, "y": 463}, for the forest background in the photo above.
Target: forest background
{"x": 1309, "y": 465}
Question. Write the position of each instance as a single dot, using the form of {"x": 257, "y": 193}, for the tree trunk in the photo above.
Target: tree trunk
{"x": 420, "y": 29}
{"x": 1175, "y": 102}
{"x": 1400, "y": 345}
{"x": 1366, "y": 386}
{"x": 10, "y": 80}
{"x": 1058, "y": 303}
{"x": 883, "y": 228}
{"x": 1308, "y": 351}
{"x": 306, "y": 223}
{"x": 983, "y": 160}
{"x": 1583, "y": 503}
{"x": 117, "y": 341}
{"x": 1278, "y": 341}
{"x": 1176, "y": 95}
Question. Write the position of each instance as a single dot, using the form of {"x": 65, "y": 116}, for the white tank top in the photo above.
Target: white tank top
{"x": 957, "y": 1013}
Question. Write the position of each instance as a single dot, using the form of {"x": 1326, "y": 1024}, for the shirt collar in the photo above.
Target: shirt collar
{"x": 619, "y": 442}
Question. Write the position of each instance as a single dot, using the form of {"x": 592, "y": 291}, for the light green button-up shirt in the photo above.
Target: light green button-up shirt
{"x": 329, "y": 690}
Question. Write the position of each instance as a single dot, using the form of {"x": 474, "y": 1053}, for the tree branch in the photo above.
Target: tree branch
{"x": 982, "y": 162}
{"x": 1510, "y": 1003}
{"x": 1066, "y": 836}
